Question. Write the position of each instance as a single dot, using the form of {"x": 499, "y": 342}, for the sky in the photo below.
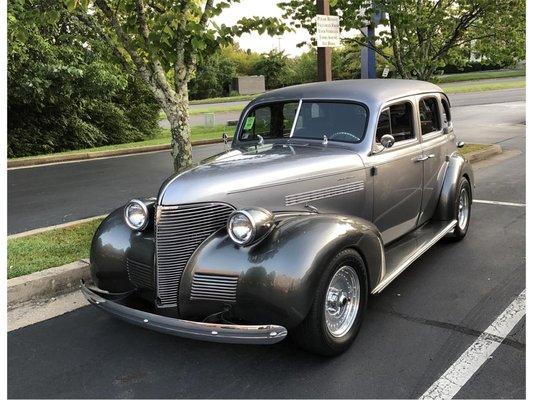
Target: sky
{"x": 263, "y": 43}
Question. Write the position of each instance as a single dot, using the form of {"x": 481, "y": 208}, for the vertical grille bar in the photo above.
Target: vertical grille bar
{"x": 179, "y": 232}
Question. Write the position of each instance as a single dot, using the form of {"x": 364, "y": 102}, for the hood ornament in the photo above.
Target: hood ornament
{"x": 261, "y": 140}
{"x": 325, "y": 140}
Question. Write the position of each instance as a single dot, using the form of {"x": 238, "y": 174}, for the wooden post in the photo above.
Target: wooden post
{"x": 323, "y": 53}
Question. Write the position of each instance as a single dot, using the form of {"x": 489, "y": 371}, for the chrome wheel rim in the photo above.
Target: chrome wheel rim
{"x": 464, "y": 209}
{"x": 342, "y": 301}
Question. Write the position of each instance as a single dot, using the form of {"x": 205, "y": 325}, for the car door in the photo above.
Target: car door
{"x": 433, "y": 113}
{"x": 397, "y": 171}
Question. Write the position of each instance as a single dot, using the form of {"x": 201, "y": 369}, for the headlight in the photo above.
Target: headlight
{"x": 250, "y": 225}
{"x": 136, "y": 215}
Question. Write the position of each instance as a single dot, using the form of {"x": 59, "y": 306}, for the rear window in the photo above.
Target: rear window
{"x": 342, "y": 122}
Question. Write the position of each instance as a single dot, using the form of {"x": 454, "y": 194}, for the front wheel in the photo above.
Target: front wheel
{"x": 338, "y": 307}
{"x": 463, "y": 205}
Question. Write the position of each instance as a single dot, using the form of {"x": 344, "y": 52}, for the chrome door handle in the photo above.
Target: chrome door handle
{"x": 431, "y": 156}
{"x": 420, "y": 158}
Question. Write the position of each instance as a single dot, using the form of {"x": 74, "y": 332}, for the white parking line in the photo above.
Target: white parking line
{"x": 500, "y": 203}
{"x": 480, "y": 351}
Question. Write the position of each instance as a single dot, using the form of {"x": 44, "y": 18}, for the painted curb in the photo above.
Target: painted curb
{"x": 481, "y": 155}
{"x": 43, "y": 160}
{"x": 47, "y": 283}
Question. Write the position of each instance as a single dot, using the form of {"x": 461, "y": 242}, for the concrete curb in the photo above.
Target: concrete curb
{"x": 42, "y": 160}
{"x": 60, "y": 280}
{"x": 46, "y": 284}
{"x": 481, "y": 155}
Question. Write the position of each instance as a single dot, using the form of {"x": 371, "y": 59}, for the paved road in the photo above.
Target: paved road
{"x": 457, "y": 100}
{"x": 53, "y": 194}
{"x": 412, "y": 333}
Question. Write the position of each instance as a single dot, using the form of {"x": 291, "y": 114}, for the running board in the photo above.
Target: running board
{"x": 405, "y": 251}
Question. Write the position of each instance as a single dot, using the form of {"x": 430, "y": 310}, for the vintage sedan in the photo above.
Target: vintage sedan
{"x": 328, "y": 192}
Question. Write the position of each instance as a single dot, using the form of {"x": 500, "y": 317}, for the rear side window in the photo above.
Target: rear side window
{"x": 429, "y": 115}
{"x": 396, "y": 120}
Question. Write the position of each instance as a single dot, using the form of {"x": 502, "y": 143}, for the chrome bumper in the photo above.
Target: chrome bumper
{"x": 222, "y": 333}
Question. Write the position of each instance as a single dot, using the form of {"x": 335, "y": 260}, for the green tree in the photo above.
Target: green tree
{"x": 65, "y": 89}
{"x": 275, "y": 66}
{"x": 213, "y": 77}
{"x": 164, "y": 40}
{"x": 420, "y": 36}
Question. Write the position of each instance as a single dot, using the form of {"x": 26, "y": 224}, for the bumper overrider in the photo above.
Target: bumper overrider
{"x": 222, "y": 333}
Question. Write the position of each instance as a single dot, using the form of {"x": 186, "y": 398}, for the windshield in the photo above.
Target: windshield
{"x": 342, "y": 122}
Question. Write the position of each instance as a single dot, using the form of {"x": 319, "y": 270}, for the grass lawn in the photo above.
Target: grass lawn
{"x": 161, "y": 137}
{"x": 65, "y": 245}
{"x": 49, "y": 249}
{"x": 472, "y": 76}
{"x": 224, "y": 99}
{"x": 471, "y": 147}
{"x": 483, "y": 87}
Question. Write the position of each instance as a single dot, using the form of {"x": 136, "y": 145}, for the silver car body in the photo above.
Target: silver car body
{"x": 390, "y": 204}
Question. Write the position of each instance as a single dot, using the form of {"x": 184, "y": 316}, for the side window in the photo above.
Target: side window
{"x": 446, "y": 115}
{"x": 397, "y": 120}
{"x": 429, "y": 115}
{"x": 271, "y": 121}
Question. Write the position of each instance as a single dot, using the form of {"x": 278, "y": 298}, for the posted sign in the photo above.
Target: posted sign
{"x": 328, "y": 31}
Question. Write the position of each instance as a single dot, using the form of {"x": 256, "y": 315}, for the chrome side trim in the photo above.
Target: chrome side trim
{"x": 319, "y": 194}
{"x": 222, "y": 333}
{"x": 300, "y": 179}
{"x": 412, "y": 258}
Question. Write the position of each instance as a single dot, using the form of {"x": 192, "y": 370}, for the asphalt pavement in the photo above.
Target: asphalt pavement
{"x": 53, "y": 194}
{"x": 419, "y": 326}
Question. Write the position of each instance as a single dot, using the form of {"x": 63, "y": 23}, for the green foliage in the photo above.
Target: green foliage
{"x": 65, "y": 90}
{"x": 275, "y": 66}
{"x": 213, "y": 77}
{"x": 423, "y": 35}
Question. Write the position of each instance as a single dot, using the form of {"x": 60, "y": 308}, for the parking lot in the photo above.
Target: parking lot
{"x": 413, "y": 333}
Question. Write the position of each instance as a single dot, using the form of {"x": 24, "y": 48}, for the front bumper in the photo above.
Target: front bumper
{"x": 222, "y": 333}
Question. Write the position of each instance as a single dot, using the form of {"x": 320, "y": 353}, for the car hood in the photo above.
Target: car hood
{"x": 261, "y": 175}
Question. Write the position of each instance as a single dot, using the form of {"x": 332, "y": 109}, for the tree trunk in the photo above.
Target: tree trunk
{"x": 178, "y": 117}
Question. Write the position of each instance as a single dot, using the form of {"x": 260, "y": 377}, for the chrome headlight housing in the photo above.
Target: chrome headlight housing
{"x": 136, "y": 215}
{"x": 249, "y": 225}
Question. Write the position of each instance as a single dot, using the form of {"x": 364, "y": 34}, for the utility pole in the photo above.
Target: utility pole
{"x": 323, "y": 53}
{"x": 368, "y": 54}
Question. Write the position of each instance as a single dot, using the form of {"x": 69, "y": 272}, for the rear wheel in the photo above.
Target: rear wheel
{"x": 338, "y": 307}
{"x": 463, "y": 205}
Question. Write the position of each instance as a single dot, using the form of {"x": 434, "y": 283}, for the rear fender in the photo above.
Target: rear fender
{"x": 457, "y": 168}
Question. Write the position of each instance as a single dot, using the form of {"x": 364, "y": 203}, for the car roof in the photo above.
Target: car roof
{"x": 368, "y": 91}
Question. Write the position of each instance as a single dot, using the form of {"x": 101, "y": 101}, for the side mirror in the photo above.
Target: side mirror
{"x": 387, "y": 141}
{"x": 460, "y": 145}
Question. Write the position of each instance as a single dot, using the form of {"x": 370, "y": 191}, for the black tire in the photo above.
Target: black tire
{"x": 460, "y": 231}
{"x": 312, "y": 334}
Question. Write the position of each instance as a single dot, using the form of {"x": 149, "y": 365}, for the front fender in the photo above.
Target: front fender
{"x": 113, "y": 244}
{"x": 277, "y": 278}
{"x": 457, "y": 168}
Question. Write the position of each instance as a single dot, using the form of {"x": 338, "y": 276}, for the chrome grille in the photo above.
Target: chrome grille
{"x": 214, "y": 287}
{"x": 179, "y": 232}
{"x": 139, "y": 274}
